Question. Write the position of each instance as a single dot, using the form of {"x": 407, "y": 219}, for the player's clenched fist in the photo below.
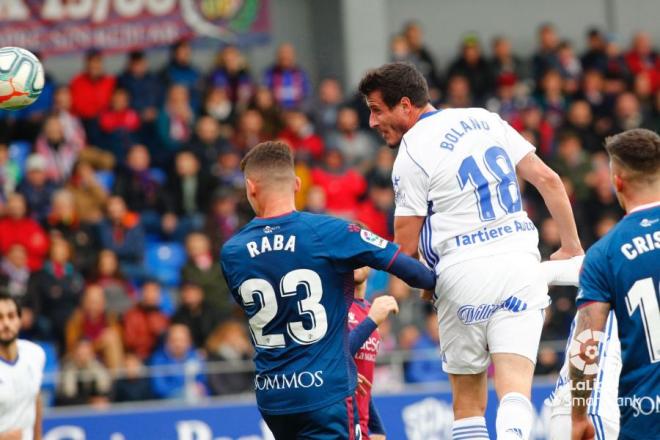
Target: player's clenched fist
{"x": 382, "y": 307}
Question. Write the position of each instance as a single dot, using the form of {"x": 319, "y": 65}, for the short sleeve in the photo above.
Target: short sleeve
{"x": 594, "y": 285}
{"x": 411, "y": 185}
{"x": 350, "y": 244}
{"x": 515, "y": 145}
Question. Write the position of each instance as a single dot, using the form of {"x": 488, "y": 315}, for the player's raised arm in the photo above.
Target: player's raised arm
{"x": 532, "y": 169}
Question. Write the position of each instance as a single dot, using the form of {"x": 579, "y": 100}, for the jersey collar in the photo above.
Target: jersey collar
{"x": 645, "y": 206}
{"x": 427, "y": 114}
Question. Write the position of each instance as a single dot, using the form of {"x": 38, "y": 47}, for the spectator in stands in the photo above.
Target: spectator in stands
{"x": 203, "y": 269}
{"x": 122, "y": 233}
{"x": 414, "y": 35}
{"x": 628, "y": 113}
{"x": 180, "y": 71}
{"x": 358, "y": 146}
{"x": 144, "y": 88}
{"x": 93, "y": 322}
{"x": 287, "y": 80}
{"x": 531, "y": 120}
{"x": 579, "y": 120}
{"x": 84, "y": 380}
{"x": 343, "y": 186}
{"x": 573, "y": 163}
{"x": 548, "y": 361}
{"x": 89, "y": 195}
{"x": 174, "y": 124}
{"x": 145, "y": 324}
{"x": 17, "y": 228}
{"x": 188, "y": 194}
{"x": 222, "y": 220}
{"x": 549, "y": 240}
{"x": 249, "y": 131}
{"x": 179, "y": 359}
{"x": 37, "y": 188}
{"x": 227, "y": 169}
{"x": 90, "y": 92}
{"x": 458, "y": 94}
{"x": 207, "y": 142}
{"x": 71, "y": 125}
{"x": 592, "y": 91}
{"x": 316, "y": 200}
{"x": 570, "y": 67}
{"x": 545, "y": 57}
{"x": 64, "y": 221}
{"x": 378, "y": 209}
{"x": 595, "y": 57}
{"x": 506, "y": 103}
{"x": 133, "y": 385}
{"x": 299, "y": 134}
{"x": 642, "y": 57}
{"x": 55, "y": 290}
{"x": 232, "y": 75}
{"x": 137, "y": 184}
{"x": 119, "y": 123}
{"x": 425, "y": 364}
{"x": 551, "y": 98}
{"x": 400, "y": 50}
{"x": 10, "y": 172}
{"x": 195, "y": 312}
{"x": 329, "y": 102}
{"x": 264, "y": 102}
{"x": 504, "y": 62}
{"x": 473, "y": 65}
{"x": 119, "y": 293}
{"x": 14, "y": 272}
{"x": 59, "y": 152}
{"x": 381, "y": 171}
{"x": 230, "y": 347}
{"x": 218, "y": 106}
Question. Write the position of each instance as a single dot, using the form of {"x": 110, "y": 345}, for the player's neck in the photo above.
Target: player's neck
{"x": 418, "y": 114}
{"x": 641, "y": 199}
{"x": 276, "y": 207}
{"x": 9, "y": 352}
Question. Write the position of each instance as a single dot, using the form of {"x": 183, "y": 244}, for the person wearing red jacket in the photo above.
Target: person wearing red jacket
{"x": 343, "y": 186}
{"x": 18, "y": 228}
{"x": 299, "y": 134}
{"x": 377, "y": 210}
{"x": 119, "y": 116}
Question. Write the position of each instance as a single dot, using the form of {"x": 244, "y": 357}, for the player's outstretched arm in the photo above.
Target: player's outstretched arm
{"x": 532, "y": 169}
{"x": 591, "y": 319}
{"x": 412, "y": 271}
{"x": 406, "y": 233}
{"x": 37, "y": 420}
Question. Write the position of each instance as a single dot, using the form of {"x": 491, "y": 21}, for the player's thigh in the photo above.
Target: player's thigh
{"x": 336, "y": 421}
{"x": 513, "y": 341}
{"x": 470, "y": 394}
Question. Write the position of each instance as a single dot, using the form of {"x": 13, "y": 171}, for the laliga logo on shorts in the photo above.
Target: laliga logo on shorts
{"x": 584, "y": 351}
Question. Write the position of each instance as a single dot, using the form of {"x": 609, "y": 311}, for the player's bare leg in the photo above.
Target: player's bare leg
{"x": 513, "y": 384}
{"x": 470, "y": 393}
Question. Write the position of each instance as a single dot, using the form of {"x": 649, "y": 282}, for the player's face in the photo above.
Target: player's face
{"x": 10, "y": 322}
{"x": 390, "y": 123}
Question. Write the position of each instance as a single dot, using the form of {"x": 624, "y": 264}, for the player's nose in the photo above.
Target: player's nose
{"x": 373, "y": 122}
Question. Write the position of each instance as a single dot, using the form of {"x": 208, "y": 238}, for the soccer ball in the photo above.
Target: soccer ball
{"x": 21, "y": 78}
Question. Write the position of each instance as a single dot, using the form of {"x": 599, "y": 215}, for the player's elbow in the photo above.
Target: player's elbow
{"x": 546, "y": 180}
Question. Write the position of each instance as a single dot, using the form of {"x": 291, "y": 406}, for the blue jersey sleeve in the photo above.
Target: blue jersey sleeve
{"x": 594, "y": 285}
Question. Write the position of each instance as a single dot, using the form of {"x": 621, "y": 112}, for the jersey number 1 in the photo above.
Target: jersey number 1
{"x": 642, "y": 294}
{"x": 499, "y": 165}
{"x": 309, "y": 306}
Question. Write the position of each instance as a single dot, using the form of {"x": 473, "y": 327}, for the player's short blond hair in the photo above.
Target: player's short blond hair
{"x": 637, "y": 151}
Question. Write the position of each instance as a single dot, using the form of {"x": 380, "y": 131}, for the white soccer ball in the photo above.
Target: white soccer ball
{"x": 21, "y": 78}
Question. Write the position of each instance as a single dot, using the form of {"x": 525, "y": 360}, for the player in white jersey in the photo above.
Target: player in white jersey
{"x": 21, "y": 370}
{"x": 603, "y": 408}
{"x": 457, "y": 199}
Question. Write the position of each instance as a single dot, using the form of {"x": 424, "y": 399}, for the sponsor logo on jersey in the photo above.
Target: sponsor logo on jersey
{"x": 372, "y": 238}
{"x": 270, "y": 229}
{"x": 584, "y": 351}
{"x": 470, "y": 314}
{"x": 645, "y": 223}
{"x": 284, "y": 381}
{"x": 351, "y": 318}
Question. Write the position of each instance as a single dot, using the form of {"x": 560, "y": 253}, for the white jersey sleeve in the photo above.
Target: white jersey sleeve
{"x": 411, "y": 185}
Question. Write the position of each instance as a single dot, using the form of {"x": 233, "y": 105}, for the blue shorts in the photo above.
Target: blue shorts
{"x": 337, "y": 421}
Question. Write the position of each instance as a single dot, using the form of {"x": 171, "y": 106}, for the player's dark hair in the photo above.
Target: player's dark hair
{"x": 395, "y": 81}
{"x": 272, "y": 158}
{"x": 5, "y": 296}
{"x": 638, "y": 150}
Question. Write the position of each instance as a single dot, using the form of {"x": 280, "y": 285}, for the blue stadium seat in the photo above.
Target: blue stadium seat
{"x": 106, "y": 178}
{"x": 164, "y": 261}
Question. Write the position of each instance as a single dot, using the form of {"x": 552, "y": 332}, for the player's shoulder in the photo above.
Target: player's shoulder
{"x": 30, "y": 350}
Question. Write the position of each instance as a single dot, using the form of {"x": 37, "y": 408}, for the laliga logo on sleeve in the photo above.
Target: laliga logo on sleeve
{"x": 584, "y": 351}
{"x": 372, "y": 238}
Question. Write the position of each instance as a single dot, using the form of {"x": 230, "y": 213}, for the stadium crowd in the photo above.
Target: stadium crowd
{"x": 117, "y": 193}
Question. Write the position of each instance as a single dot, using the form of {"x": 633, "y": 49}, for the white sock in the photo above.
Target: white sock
{"x": 469, "y": 429}
{"x": 515, "y": 416}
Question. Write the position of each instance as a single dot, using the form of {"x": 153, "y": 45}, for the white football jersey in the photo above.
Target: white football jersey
{"x": 20, "y": 383}
{"x": 457, "y": 167}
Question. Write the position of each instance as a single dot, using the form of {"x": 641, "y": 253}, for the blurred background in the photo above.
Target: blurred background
{"x": 120, "y": 184}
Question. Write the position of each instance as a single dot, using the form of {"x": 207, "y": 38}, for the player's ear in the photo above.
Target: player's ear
{"x": 618, "y": 182}
{"x": 298, "y": 184}
{"x": 250, "y": 187}
{"x": 406, "y": 104}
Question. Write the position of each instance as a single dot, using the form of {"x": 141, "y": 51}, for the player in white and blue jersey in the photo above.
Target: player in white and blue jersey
{"x": 603, "y": 409}
{"x": 292, "y": 272}
{"x": 457, "y": 199}
{"x": 622, "y": 272}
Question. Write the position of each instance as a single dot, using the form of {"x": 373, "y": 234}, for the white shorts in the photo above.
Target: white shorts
{"x": 560, "y": 427}
{"x": 490, "y": 305}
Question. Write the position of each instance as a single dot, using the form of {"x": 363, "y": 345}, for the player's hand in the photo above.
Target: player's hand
{"x": 363, "y": 386}
{"x": 382, "y": 307}
{"x": 565, "y": 253}
{"x": 376, "y": 437}
{"x": 16, "y": 434}
{"x": 582, "y": 429}
{"x": 427, "y": 295}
